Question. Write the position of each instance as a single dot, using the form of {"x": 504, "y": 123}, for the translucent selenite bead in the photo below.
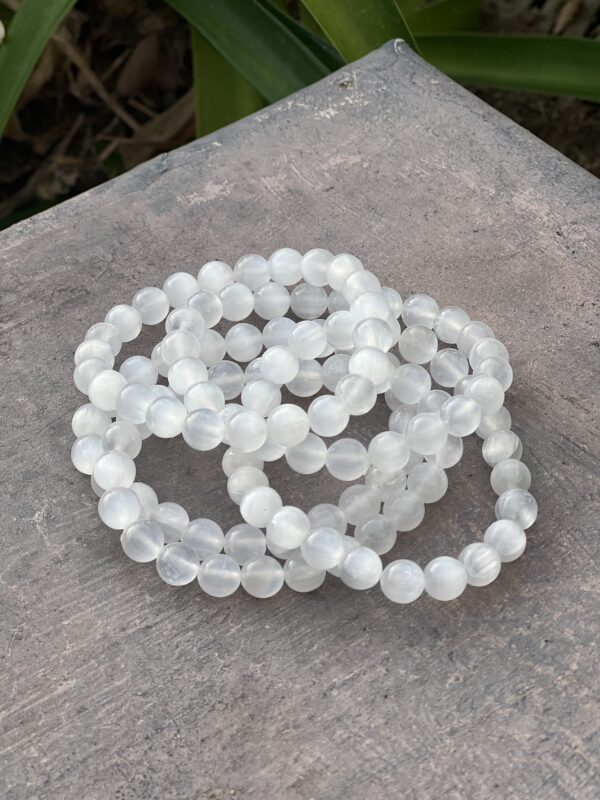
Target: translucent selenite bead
{"x": 126, "y": 319}
{"x": 370, "y": 305}
{"x": 510, "y": 474}
{"x": 433, "y": 401}
{"x": 449, "y": 323}
{"x": 389, "y": 451}
{"x": 277, "y": 331}
{"x": 337, "y": 302}
{"x": 219, "y": 576}
{"x": 328, "y": 515}
{"x": 358, "y": 283}
{"x": 119, "y": 508}
{"x": 308, "y": 456}
{"x": 259, "y": 504}
{"x": 359, "y": 502}
{"x": 496, "y": 368}
{"x": 247, "y": 431}
{"x": 147, "y": 497}
{"x": 173, "y": 520}
{"x": 347, "y": 459}
{"x": 339, "y": 329}
{"x": 271, "y": 300}
{"x": 251, "y": 270}
{"x": 499, "y": 421}
{"x": 410, "y": 383}
{"x": 500, "y": 446}
{"x": 323, "y": 548}
{"x": 426, "y": 433}
{"x": 139, "y": 369}
{"x": 388, "y": 485}
{"x": 507, "y": 538}
{"x": 472, "y": 333}
{"x": 361, "y": 568}
{"x": 418, "y": 344}
{"x": 214, "y": 276}
{"x": 179, "y": 344}
{"x": 514, "y": 504}
{"x": 122, "y": 436}
{"x": 306, "y": 340}
{"x": 327, "y": 415}
{"x": 378, "y": 533}
{"x": 481, "y": 562}
{"x": 334, "y": 368}
{"x": 406, "y": 511}
{"x": 300, "y": 576}
{"x": 237, "y": 301}
{"x": 86, "y": 371}
{"x": 445, "y": 578}
{"x": 243, "y": 342}
{"x": 105, "y": 388}
{"x": 94, "y": 348}
{"x": 226, "y": 414}
{"x": 402, "y": 581}
{"x": 288, "y": 528}
{"x": 350, "y": 543}
{"x": 372, "y": 364}
{"x": 313, "y": 266}
{"x": 232, "y": 460}
{"x": 229, "y": 377}
{"x": 339, "y": 268}
{"x": 106, "y": 332}
{"x": 142, "y": 541}
{"x": 461, "y": 415}
{"x": 309, "y": 379}
{"x": 427, "y": 481}
{"x": 185, "y": 373}
{"x": 420, "y": 309}
{"x": 176, "y": 564}
{"x": 212, "y": 348}
{"x": 450, "y": 454}
{"x": 308, "y": 302}
{"x": 244, "y": 479}
{"x": 113, "y": 470}
{"x": 287, "y": 425}
{"x": 186, "y": 319}
{"x": 284, "y": 266}
{"x": 394, "y": 300}
{"x": 203, "y": 429}
{"x": 448, "y": 367}
{"x": 133, "y": 403}
{"x": 204, "y": 395}
{"x": 86, "y": 450}
{"x": 89, "y": 419}
{"x": 279, "y": 364}
{"x": 244, "y": 543}
{"x": 165, "y": 417}
{"x": 261, "y": 396}
{"x": 462, "y": 384}
{"x": 179, "y": 287}
{"x": 373, "y": 333}
{"x": 262, "y": 577}
{"x": 356, "y": 393}
{"x": 270, "y": 451}
{"x": 487, "y": 348}
{"x": 400, "y": 418}
{"x": 487, "y": 391}
{"x": 152, "y": 304}
{"x": 209, "y": 305}
{"x": 156, "y": 357}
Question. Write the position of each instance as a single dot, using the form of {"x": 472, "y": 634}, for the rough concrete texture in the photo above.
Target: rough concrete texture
{"x": 117, "y": 686}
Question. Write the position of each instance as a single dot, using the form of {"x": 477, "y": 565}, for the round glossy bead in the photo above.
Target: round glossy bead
{"x": 350, "y": 543}
{"x": 339, "y": 268}
{"x": 450, "y": 454}
{"x": 406, "y": 511}
{"x": 300, "y": 576}
{"x": 209, "y": 305}
{"x": 356, "y": 393}
{"x": 237, "y": 301}
{"x": 339, "y": 330}
{"x": 261, "y": 396}
{"x": 106, "y": 332}
{"x": 420, "y": 309}
{"x": 252, "y": 270}
{"x": 402, "y": 581}
{"x": 214, "y": 276}
{"x": 147, "y": 497}
{"x": 232, "y": 460}
{"x": 288, "y": 528}
{"x": 244, "y": 479}
{"x": 284, "y": 266}
{"x": 173, "y": 520}
{"x": 229, "y": 377}
{"x": 400, "y": 418}
{"x": 461, "y": 415}
{"x": 389, "y": 451}
{"x": 372, "y": 364}
{"x": 308, "y": 456}
{"x": 449, "y": 323}
{"x": 179, "y": 287}
{"x": 327, "y": 415}
{"x": 157, "y": 360}
{"x": 186, "y": 319}
{"x": 122, "y": 436}
{"x": 308, "y": 302}
{"x": 433, "y": 401}
{"x": 394, "y": 301}
{"x": 185, "y": 373}
{"x": 262, "y": 577}
{"x": 418, "y": 344}
{"x": 358, "y": 503}
{"x": 510, "y": 474}
{"x": 105, "y": 388}
{"x": 287, "y": 425}
{"x": 370, "y": 305}
{"x": 328, "y": 515}
{"x": 445, "y": 578}
{"x": 271, "y": 300}
{"x": 219, "y": 576}
{"x": 279, "y": 364}
{"x": 86, "y": 450}
{"x": 212, "y": 348}
{"x": 270, "y": 451}
{"x": 314, "y": 266}
{"x": 496, "y": 368}
{"x": 472, "y": 333}
{"x": 94, "y": 348}
{"x": 499, "y": 421}
{"x": 113, "y": 470}
{"x": 204, "y": 429}
{"x": 307, "y": 340}
{"x": 487, "y": 391}
{"x": 507, "y": 538}
{"x": 309, "y": 379}
{"x": 448, "y": 367}
{"x": 347, "y": 459}
{"x": 176, "y": 564}
{"x": 89, "y": 419}
{"x": 373, "y": 333}
{"x": 323, "y": 548}
{"x": 179, "y": 344}
{"x": 152, "y": 304}
{"x": 243, "y": 342}
{"x": 427, "y": 481}
{"x": 361, "y": 568}
{"x": 481, "y": 562}
{"x": 126, "y": 319}
{"x": 244, "y": 543}
{"x": 139, "y": 369}
{"x": 500, "y": 446}
{"x": 514, "y": 504}
{"x": 246, "y": 431}
{"x": 259, "y": 505}
{"x": 426, "y": 433}
{"x": 487, "y": 348}
{"x": 334, "y": 370}
{"x": 165, "y": 417}
{"x": 142, "y": 541}
{"x": 133, "y": 403}
{"x": 388, "y": 485}
{"x": 358, "y": 283}
{"x": 277, "y": 331}
{"x": 410, "y": 383}
{"x": 378, "y": 533}
{"x": 204, "y": 395}
{"x": 119, "y": 508}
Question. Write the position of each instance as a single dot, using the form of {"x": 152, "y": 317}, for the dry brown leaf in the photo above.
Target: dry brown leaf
{"x": 139, "y": 67}
{"x": 566, "y": 15}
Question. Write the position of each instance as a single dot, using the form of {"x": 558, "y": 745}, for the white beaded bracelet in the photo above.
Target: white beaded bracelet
{"x": 349, "y": 353}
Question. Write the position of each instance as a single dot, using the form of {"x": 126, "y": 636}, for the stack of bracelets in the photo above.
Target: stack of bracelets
{"x": 344, "y": 343}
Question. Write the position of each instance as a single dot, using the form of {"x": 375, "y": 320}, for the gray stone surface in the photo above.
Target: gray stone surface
{"x": 117, "y": 686}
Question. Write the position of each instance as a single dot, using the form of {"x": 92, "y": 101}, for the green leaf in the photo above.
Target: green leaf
{"x": 549, "y": 64}
{"x": 27, "y": 35}
{"x": 444, "y": 15}
{"x": 255, "y": 43}
{"x": 222, "y": 94}
{"x": 360, "y": 25}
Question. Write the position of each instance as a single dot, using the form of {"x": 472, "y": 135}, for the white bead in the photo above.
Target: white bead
{"x": 486, "y": 348}
{"x": 496, "y": 368}
{"x": 86, "y": 451}
{"x": 113, "y": 470}
{"x": 450, "y": 454}
{"x": 176, "y": 564}
{"x": 252, "y": 270}
{"x": 327, "y": 515}
{"x": 287, "y": 425}
{"x": 105, "y": 388}
{"x": 147, "y": 497}
{"x": 500, "y": 420}
{"x": 157, "y": 359}
{"x": 212, "y": 348}
{"x": 219, "y": 576}
{"x": 358, "y": 283}
{"x": 372, "y": 364}
{"x": 402, "y": 581}
{"x": 209, "y": 305}
{"x": 339, "y": 268}
{"x": 461, "y": 414}
{"x": 204, "y": 395}
{"x": 152, "y": 304}
{"x": 418, "y": 344}
{"x": 204, "y": 429}
{"x": 308, "y": 302}
{"x": 339, "y": 330}
{"x": 119, "y": 508}
{"x": 259, "y": 505}
{"x": 337, "y": 302}
{"x": 327, "y": 415}
{"x": 370, "y": 305}
{"x": 427, "y": 481}
{"x": 487, "y": 391}
{"x": 243, "y": 342}
{"x": 394, "y": 300}
{"x": 389, "y": 451}
{"x": 314, "y": 266}
{"x": 309, "y": 379}
{"x": 306, "y": 340}
{"x": 378, "y": 533}
{"x": 229, "y": 377}
{"x": 410, "y": 382}
{"x": 400, "y": 418}
{"x": 244, "y": 543}
{"x": 373, "y": 332}
{"x": 300, "y": 576}
{"x": 179, "y": 344}
{"x": 347, "y": 459}
{"x": 426, "y": 433}
{"x": 179, "y": 287}
{"x": 334, "y": 370}
{"x": 86, "y": 371}
{"x": 481, "y": 562}
{"x": 445, "y": 578}
{"x": 262, "y": 577}
{"x": 433, "y": 401}
{"x": 356, "y": 393}
{"x": 271, "y": 300}
{"x": 500, "y": 446}
{"x": 510, "y": 474}
{"x": 517, "y": 505}
{"x": 89, "y": 419}
{"x": 472, "y": 333}
{"x": 232, "y": 460}
{"x": 448, "y": 367}
{"x": 237, "y": 301}
{"x": 387, "y": 484}
{"x": 279, "y": 364}
{"x": 185, "y": 373}
{"x": 165, "y": 417}
{"x": 358, "y": 503}
{"x": 288, "y": 528}
{"x": 420, "y": 309}
{"x": 106, "y": 332}
{"x": 173, "y": 520}
{"x": 186, "y": 319}
{"x": 261, "y": 396}
{"x": 361, "y": 568}
{"x": 214, "y": 275}
{"x": 127, "y": 320}
{"x": 139, "y": 369}
{"x": 323, "y": 548}
{"x": 350, "y": 544}
{"x": 277, "y": 331}
{"x": 123, "y": 436}
{"x": 308, "y": 456}
{"x": 94, "y": 348}
{"x": 284, "y": 266}
{"x": 449, "y": 323}
{"x": 246, "y": 431}
{"x": 406, "y": 511}
{"x": 142, "y": 541}
{"x": 270, "y": 451}
{"x": 507, "y": 538}
{"x": 244, "y": 479}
